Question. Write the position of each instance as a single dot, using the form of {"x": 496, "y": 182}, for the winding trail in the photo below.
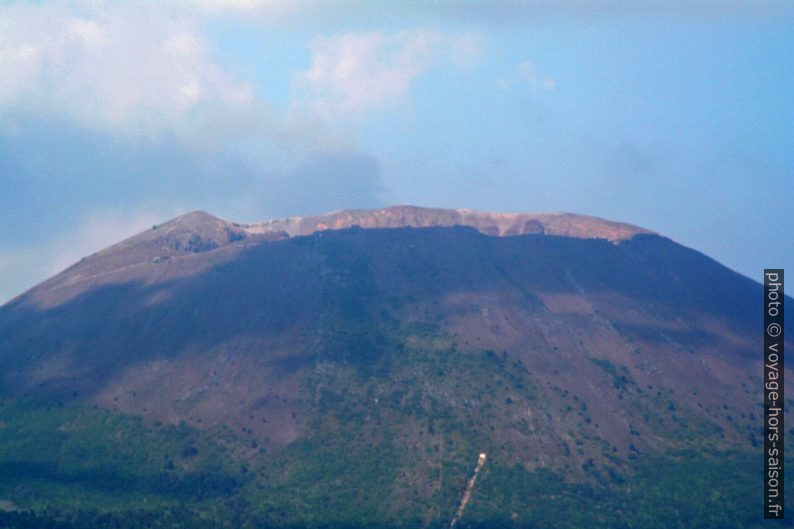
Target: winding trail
{"x": 467, "y": 493}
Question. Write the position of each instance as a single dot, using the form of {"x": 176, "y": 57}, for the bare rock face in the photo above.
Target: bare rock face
{"x": 532, "y": 227}
{"x": 494, "y": 224}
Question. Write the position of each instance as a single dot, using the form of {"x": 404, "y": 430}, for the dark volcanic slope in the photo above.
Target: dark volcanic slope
{"x": 566, "y": 352}
{"x": 199, "y": 233}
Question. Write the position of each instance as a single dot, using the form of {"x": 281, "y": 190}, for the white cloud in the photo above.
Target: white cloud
{"x": 130, "y": 69}
{"x": 526, "y": 74}
{"x": 467, "y": 49}
{"x": 266, "y": 10}
{"x": 354, "y": 73}
{"x": 494, "y": 13}
{"x": 146, "y": 70}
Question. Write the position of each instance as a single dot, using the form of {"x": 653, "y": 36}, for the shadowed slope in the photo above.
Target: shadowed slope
{"x": 366, "y": 367}
{"x": 199, "y": 233}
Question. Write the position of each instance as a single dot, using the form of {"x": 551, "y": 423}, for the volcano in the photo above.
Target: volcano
{"x": 351, "y": 369}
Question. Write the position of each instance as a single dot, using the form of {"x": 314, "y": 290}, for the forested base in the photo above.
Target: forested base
{"x": 116, "y": 471}
{"x": 686, "y": 490}
{"x": 75, "y": 466}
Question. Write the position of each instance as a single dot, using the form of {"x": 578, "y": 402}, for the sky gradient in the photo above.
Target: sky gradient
{"x": 674, "y": 116}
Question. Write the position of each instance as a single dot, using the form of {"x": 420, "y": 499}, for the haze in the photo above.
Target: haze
{"x": 676, "y": 117}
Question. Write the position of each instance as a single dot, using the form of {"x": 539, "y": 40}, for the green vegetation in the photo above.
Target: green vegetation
{"x": 677, "y": 489}
{"x": 619, "y": 374}
{"x": 395, "y": 428}
{"x": 53, "y": 454}
{"x": 334, "y": 483}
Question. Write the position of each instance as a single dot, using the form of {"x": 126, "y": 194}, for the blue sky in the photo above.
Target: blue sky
{"x": 675, "y": 116}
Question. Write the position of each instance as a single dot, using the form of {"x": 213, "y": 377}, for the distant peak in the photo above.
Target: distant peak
{"x": 196, "y": 216}
{"x": 197, "y": 213}
{"x": 488, "y": 223}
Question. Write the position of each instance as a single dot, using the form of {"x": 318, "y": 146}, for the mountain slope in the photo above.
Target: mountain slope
{"x": 359, "y": 371}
